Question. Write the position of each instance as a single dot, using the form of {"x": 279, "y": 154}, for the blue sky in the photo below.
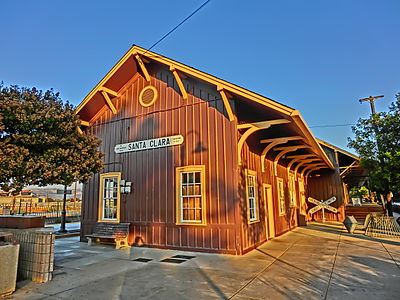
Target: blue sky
{"x": 317, "y": 56}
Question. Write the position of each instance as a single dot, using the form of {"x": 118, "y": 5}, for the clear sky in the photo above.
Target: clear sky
{"x": 317, "y": 56}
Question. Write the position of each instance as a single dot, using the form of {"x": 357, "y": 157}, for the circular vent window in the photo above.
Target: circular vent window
{"x": 148, "y": 96}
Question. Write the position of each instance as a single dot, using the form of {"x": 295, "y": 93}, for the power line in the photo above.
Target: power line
{"x": 176, "y": 27}
{"x": 333, "y": 125}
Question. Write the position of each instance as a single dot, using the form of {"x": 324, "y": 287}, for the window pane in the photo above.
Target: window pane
{"x": 197, "y": 177}
{"x": 191, "y": 213}
{"x": 185, "y": 215}
{"x": 190, "y": 190}
{"x": 252, "y": 214}
{"x": 191, "y": 202}
{"x": 197, "y": 189}
{"x": 197, "y": 202}
{"x": 185, "y": 202}
{"x": 184, "y": 177}
{"x": 198, "y": 214}
{"x": 184, "y": 190}
{"x": 191, "y": 177}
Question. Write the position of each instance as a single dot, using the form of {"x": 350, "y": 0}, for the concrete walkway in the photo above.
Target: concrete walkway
{"x": 319, "y": 261}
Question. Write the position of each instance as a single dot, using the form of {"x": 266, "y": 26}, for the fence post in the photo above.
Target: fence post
{"x": 57, "y": 208}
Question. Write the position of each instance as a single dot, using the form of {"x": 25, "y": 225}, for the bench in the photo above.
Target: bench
{"x": 118, "y": 232}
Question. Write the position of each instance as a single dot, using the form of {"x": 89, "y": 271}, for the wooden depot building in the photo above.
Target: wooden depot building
{"x": 194, "y": 162}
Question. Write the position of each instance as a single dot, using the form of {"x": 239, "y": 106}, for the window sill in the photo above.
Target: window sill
{"x": 108, "y": 221}
{"x": 190, "y": 224}
{"x": 253, "y": 222}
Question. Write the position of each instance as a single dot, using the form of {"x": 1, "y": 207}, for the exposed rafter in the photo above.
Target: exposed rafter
{"x": 253, "y": 127}
{"x": 262, "y": 124}
{"x": 301, "y": 156}
{"x": 298, "y": 159}
{"x": 274, "y": 142}
{"x": 179, "y": 81}
{"x": 228, "y": 107}
{"x": 286, "y": 138}
{"x": 109, "y": 91}
{"x": 305, "y": 165}
{"x": 84, "y": 123}
{"x": 348, "y": 167}
{"x": 285, "y": 150}
{"x": 269, "y": 147}
{"x": 109, "y": 103}
{"x": 142, "y": 66}
{"x": 312, "y": 167}
{"x": 290, "y": 147}
{"x": 312, "y": 170}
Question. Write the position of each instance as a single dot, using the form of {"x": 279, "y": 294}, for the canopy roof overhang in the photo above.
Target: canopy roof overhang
{"x": 285, "y": 125}
{"x": 351, "y": 172}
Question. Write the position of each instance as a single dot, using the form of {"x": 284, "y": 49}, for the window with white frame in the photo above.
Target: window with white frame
{"x": 292, "y": 190}
{"x": 190, "y": 191}
{"x": 252, "y": 196}
{"x": 281, "y": 196}
{"x": 109, "y": 197}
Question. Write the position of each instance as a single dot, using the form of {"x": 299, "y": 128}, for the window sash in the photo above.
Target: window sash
{"x": 109, "y": 200}
{"x": 292, "y": 189}
{"x": 251, "y": 198}
{"x": 281, "y": 196}
{"x": 191, "y": 196}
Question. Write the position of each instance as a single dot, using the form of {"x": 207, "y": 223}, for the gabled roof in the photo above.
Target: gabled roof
{"x": 133, "y": 63}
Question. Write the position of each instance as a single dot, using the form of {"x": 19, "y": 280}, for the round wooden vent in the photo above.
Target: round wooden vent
{"x": 148, "y": 96}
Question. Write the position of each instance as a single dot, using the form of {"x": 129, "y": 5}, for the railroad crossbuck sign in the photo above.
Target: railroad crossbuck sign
{"x": 322, "y": 205}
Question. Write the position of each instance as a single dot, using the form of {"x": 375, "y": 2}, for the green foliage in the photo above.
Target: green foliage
{"x": 39, "y": 142}
{"x": 377, "y": 141}
{"x": 359, "y": 192}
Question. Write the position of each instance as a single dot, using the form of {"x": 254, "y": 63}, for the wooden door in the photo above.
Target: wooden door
{"x": 269, "y": 211}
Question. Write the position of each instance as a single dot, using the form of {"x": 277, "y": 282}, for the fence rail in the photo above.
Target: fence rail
{"x": 50, "y": 209}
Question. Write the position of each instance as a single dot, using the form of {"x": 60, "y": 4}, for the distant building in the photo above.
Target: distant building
{"x": 25, "y": 196}
{"x": 195, "y": 162}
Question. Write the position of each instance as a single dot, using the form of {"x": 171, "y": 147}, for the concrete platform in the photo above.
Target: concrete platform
{"x": 320, "y": 261}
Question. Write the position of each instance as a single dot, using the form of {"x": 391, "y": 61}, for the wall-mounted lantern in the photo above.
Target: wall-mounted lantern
{"x": 125, "y": 187}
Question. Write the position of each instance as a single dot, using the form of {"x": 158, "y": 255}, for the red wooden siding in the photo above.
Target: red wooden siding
{"x": 150, "y": 208}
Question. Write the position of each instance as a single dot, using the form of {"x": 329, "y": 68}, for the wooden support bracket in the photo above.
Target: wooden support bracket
{"x": 84, "y": 123}
{"x": 179, "y": 81}
{"x": 228, "y": 107}
{"x": 348, "y": 167}
{"x": 253, "y": 127}
{"x": 312, "y": 167}
{"x": 79, "y": 130}
{"x": 142, "y": 67}
{"x": 269, "y": 147}
{"x": 109, "y": 103}
{"x": 285, "y": 150}
{"x": 109, "y": 91}
{"x": 299, "y": 166}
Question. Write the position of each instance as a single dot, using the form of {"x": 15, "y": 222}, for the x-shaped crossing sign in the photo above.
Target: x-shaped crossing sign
{"x": 322, "y": 205}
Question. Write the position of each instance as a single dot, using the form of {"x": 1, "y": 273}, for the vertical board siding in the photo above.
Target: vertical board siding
{"x": 325, "y": 186}
{"x": 150, "y": 208}
{"x": 255, "y": 234}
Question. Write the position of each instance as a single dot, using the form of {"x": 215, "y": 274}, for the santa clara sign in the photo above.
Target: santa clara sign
{"x": 149, "y": 144}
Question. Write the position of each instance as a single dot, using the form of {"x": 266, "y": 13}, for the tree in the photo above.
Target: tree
{"x": 39, "y": 141}
{"x": 377, "y": 141}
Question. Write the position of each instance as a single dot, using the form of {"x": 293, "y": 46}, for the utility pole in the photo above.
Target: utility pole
{"x": 371, "y": 101}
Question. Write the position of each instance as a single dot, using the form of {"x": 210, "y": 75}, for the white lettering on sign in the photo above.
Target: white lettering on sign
{"x": 149, "y": 144}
